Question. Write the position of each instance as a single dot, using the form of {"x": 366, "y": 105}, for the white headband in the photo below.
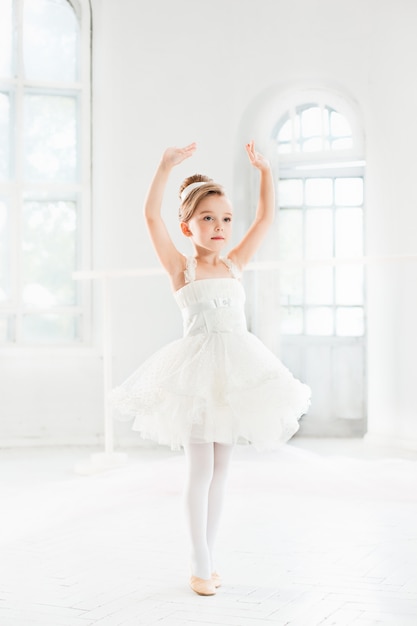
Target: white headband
{"x": 186, "y": 192}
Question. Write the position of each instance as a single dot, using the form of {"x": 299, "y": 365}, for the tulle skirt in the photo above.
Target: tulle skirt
{"x": 215, "y": 387}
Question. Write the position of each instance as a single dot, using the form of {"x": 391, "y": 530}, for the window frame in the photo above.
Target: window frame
{"x": 321, "y": 97}
{"x": 15, "y": 191}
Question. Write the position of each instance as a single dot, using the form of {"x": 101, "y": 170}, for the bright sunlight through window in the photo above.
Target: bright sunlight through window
{"x": 321, "y": 223}
{"x": 42, "y": 200}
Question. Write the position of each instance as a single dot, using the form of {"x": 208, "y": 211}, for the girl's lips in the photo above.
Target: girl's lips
{"x": 217, "y": 237}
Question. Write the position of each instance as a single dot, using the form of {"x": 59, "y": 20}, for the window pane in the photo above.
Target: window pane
{"x": 319, "y": 191}
{"x": 291, "y": 285}
{"x": 319, "y": 285}
{"x": 4, "y": 136}
{"x": 349, "y": 232}
{"x": 49, "y": 328}
{"x": 290, "y": 192}
{"x": 311, "y": 123}
{"x": 342, "y": 144}
{"x": 319, "y": 321}
{"x": 349, "y": 322}
{"x": 349, "y": 284}
{"x": 4, "y": 253}
{"x": 348, "y": 191}
{"x": 50, "y": 40}
{"x": 50, "y": 138}
{"x": 339, "y": 126}
{"x": 313, "y": 145}
{"x": 319, "y": 233}
{"x": 49, "y": 254}
{"x": 291, "y": 320}
{"x": 6, "y": 37}
{"x": 291, "y": 234}
{"x": 325, "y": 120}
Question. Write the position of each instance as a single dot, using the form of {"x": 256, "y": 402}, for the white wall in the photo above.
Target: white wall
{"x": 174, "y": 72}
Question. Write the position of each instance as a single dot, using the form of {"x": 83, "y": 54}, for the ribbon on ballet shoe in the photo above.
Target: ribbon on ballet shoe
{"x": 217, "y": 581}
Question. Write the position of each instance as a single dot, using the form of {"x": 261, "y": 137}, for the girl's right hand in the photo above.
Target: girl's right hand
{"x": 174, "y": 156}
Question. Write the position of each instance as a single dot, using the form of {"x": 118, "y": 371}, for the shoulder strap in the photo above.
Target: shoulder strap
{"x": 189, "y": 272}
{"x": 233, "y": 269}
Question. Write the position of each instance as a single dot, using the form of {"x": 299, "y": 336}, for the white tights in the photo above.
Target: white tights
{"x": 207, "y": 468}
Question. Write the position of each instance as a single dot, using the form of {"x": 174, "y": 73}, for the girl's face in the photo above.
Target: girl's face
{"x": 211, "y": 224}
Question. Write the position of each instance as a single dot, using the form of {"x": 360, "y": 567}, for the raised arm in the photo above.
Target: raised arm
{"x": 265, "y": 211}
{"x": 171, "y": 259}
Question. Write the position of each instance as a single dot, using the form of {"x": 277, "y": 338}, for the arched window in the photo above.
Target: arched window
{"x": 44, "y": 170}
{"x": 320, "y": 151}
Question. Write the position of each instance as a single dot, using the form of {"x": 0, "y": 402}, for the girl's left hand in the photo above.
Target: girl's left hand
{"x": 257, "y": 159}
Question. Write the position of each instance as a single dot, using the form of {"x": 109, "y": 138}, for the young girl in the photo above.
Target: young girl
{"x": 218, "y": 384}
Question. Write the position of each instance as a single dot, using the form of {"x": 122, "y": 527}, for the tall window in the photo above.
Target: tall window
{"x": 321, "y": 230}
{"x": 321, "y": 223}
{"x": 44, "y": 171}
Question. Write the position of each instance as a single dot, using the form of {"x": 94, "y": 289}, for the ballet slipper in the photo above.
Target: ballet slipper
{"x": 217, "y": 581}
{"x": 202, "y": 586}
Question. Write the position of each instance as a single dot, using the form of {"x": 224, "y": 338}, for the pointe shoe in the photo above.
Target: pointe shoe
{"x": 202, "y": 586}
{"x": 217, "y": 581}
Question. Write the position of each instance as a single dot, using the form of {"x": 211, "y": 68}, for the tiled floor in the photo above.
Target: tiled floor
{"x": 320, "y": 533}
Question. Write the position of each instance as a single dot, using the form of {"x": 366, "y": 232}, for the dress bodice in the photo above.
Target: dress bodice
{"x": 211, "y": 305}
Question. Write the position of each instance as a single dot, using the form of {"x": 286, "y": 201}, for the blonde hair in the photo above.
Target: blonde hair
{"x": 196, "y": 195}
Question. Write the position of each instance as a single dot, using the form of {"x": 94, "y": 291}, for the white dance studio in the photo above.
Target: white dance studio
{"x": 208, "y": 305}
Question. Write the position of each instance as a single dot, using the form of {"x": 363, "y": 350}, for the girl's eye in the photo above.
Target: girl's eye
{"x": 227, "y": 219}
{"x": 208, "y": 217}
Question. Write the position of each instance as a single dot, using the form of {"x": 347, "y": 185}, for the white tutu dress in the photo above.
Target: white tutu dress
{"x": 219, "y": 383}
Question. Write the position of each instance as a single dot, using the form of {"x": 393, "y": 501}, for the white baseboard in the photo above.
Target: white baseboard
{"x": 390, "y": 441}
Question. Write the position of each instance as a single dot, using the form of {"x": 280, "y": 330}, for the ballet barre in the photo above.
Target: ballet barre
{"x": 109, "y": 459}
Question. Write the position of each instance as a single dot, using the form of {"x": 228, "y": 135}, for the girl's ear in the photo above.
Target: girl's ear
{"x": 185, "y": 230}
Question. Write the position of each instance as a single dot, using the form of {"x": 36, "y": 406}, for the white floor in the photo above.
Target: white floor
{"x": 323, "y": 532}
